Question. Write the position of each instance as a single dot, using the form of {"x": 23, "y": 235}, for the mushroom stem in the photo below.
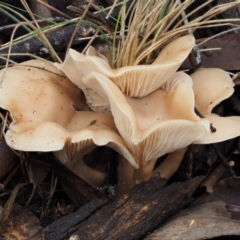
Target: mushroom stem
{"x": 89, "y": 175}
{"x": 144, "y": 172}
{"x": 170, "y": 165}
{"x": 125, "y": 176}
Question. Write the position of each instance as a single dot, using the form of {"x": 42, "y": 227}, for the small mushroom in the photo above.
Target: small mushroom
{"x": 44, "y": 109}
{"x": 216, "y": 85}
{"x": 134, "y": 81}
{"x": 159, "y": 123}
{"x": 211, "y": 86}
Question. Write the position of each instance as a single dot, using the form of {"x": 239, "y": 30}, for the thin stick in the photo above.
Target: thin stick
{"x": 223, "y": 160}
{"x": 214, "y": 178}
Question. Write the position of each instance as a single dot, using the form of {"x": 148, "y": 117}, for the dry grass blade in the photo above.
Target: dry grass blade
{"x": 5, "y": 123}
{"x": 41, "y": 34}
{"x": 153, "y": 24}
{"x": 33, "y": 27}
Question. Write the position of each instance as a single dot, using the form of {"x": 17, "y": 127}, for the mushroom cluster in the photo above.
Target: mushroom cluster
{"x": 153, "y": 106}
{"x": 143, "y": 112}
{"x": 49, "y": 113}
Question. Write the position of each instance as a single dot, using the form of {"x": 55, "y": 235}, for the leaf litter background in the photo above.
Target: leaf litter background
{"x": 41, "y": 199}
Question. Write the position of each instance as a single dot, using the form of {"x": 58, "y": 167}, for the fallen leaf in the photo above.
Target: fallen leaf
{"x": 22, "y": 225}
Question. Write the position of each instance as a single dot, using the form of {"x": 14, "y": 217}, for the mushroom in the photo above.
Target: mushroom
{"x": 44, "y": 109}
{"x": 217, "y": 85}
{"x": 134, "y": 81}
{"x": 159, "y": 123}
{"x": 155, "y": 116}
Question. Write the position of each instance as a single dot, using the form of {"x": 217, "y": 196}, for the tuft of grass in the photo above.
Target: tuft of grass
{"x": 140, "y": 29}
{"x": 154, "y": 23}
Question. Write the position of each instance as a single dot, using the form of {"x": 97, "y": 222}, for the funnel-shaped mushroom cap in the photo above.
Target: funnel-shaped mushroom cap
{"x": 158, "y": 123}
{"x": 211, "y": 86}
{"x": 133, "y": 81}
{"x": 43, "y": 106}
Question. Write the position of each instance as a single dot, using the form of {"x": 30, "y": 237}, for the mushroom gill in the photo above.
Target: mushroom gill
{"x": 134, "y": 81}
{"x": 210, "y": 86}
{"x": 159, "y": 123}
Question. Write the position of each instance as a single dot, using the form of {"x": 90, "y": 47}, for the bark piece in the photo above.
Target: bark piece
{"x": 134, "y": 215}
{"x": 205, "y": 221}
{"x": 65, "y": 225}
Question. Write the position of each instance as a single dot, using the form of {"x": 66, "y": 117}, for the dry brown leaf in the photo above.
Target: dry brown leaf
{"x": 9, "y": 204}
{"x": 22, "y": 225}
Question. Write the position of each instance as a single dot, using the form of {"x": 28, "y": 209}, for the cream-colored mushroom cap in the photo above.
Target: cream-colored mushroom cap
{"x": 133, "y": 81}
{"x": 43, "y": 107}
{"x": 211, "y": 86}
{"x": 161, "y": 122}
{"x": 33, "y": 92}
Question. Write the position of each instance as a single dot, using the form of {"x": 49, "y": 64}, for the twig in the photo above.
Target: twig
{"x": 223, "y": 160}
{"x": 190, "y": 162}
{"x": 214, "y": 177}
{"x": 212, "y": 128}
